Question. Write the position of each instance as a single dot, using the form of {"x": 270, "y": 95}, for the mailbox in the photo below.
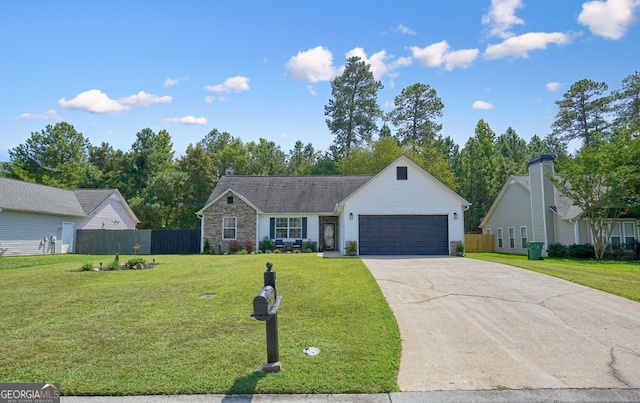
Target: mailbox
{"x": 265, "y": 308}
{"x": 263, "y": 303}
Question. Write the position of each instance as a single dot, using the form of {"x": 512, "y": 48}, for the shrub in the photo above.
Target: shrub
{"x": 276, "y": 251}
{"x": 557, "y": 250}
{"x": 582, "y": 251}
{"x": 243, "y": 252}
{"x": 86, "y": 267}
{"x": 249, "y": 246}
{"x": 206, "y": 249}
{"x": 115, "y": 264}
{"x": 617, "y": 250}
{"x": 131, "y": 263}
{"x": 310, "y": 246}
{"x": 266, "y": 244}
{"x": 234, "y": 246}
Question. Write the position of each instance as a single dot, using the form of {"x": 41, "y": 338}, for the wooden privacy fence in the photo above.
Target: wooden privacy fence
{"x": 140, "y": 242}
{"x": 479, "y": 243}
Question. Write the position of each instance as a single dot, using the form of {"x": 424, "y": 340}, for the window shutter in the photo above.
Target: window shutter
{"x": 272, "y": 228}
{"x": 304, "y": 227}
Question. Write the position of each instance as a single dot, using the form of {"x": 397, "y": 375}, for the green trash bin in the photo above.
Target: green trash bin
{"x": 534, "y": 252}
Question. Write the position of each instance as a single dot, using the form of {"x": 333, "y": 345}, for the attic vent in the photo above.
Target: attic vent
{"x": 401, "y": 173}
{"x": 229, "y": 199}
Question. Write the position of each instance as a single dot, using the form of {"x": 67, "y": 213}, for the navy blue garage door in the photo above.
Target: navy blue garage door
{"x": 404, "y": 235}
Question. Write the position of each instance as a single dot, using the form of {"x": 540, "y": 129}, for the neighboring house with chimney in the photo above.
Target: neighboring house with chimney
{"x": 403, "y": 210}
{"x": 37, "y": 219}
{"x": 530, "y": 209}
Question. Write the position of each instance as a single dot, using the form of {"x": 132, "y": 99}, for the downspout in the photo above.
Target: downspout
{"x": 257, "y": 244}
{"x": 201, "y": 217}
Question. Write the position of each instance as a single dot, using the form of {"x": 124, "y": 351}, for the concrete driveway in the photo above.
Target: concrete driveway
{"x": 469, "y": 325}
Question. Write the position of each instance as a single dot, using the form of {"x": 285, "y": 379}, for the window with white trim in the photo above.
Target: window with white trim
{"x": 512, "y": 237}
{"x": 288, "y": 227}
{"x": 629, "y": 235}
{"x": 615, "y": 234}
{"x": 523, "y": 236}
{"x": 499, "y": 237}
{"x": 229, "y": 227}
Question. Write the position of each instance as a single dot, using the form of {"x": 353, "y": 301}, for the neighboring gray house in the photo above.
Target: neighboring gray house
{"x": 37, "y": 219}
{"x": 531, "y": 209}
{"x": 402, "y": 210}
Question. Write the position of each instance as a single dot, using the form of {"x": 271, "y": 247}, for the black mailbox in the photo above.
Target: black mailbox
{"x": 263, "y": 303}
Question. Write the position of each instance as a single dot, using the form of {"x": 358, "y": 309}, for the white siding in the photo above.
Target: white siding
{"x": 513, "y": 210}
{"x": 565, "y": 231}
{"x": 111, "y": 214}
{"x": 385, "y": 195}
{"x": 22, "y": 234}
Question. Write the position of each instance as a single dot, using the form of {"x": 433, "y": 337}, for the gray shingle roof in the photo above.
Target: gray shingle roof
{"x": 90, "y": 199}
{"x": 31, "y": 197}
{"x": 291, "y": 194}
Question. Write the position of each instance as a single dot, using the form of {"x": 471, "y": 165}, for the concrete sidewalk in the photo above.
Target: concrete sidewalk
{"x": 484, "y": 396}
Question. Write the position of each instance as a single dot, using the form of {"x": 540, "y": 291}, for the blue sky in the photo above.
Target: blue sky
{"x": 263, "y": 68}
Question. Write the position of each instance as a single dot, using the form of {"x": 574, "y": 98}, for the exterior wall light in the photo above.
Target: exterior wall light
{"x": 351, "y": 216}
{"x": 455, "y": 216}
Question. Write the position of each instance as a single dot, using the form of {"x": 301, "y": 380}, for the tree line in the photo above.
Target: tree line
{"x": 165, "y": 191}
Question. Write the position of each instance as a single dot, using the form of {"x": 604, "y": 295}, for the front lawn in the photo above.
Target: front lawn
{"x": 184, "y": 326}
{"x": 613, "y": 276}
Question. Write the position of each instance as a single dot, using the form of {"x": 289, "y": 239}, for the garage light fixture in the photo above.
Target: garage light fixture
{"x": 351, "y": 216}
{"x": 455, "y": 216}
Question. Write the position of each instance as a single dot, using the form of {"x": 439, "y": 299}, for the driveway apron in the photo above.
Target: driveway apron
{"x": 470, "y": 325}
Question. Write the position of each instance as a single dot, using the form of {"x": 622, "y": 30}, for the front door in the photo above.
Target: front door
{"x": 67, "y": 237}
{"x": 328, "y": 236}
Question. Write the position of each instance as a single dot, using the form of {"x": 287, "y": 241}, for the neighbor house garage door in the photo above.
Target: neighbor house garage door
{"x": 404, "y": 235}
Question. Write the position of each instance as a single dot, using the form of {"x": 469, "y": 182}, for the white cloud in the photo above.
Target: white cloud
{"x": 401, "y": 62}
{"x": 460, "y": 58}
{"x": 170, "y": 82}
{"x": 502, "y": 16}
{"x": 519, "y": 46}
{"x": 312, "y": 65}
{"x": 187, "y": 120}
{"x": 553, "y": 86}
{"x": 609, "y": 18}
{"x": 438, "y": 54}
{"x": 144, "y": 99}
{"x": 403, "y": 29}
{"x": 209, "y": 99}
{"x": 312, "y": 90}
{"x": 51, "y": 114}
{"x": 94, "y": 101}
{"x": 231, "y": 84}
{"x": 482, "y": 105}
{"x": 432, "y": 55}
{"x": 377, "y": 61}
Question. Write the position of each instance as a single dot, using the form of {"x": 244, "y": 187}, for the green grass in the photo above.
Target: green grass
{"x": 150, "y": 332}
{"x": 614, "y": 276}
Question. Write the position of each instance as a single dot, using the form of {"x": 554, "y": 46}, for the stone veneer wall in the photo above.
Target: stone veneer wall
{"x": 246, "y": 222}
{"x": 452, "y": 247}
